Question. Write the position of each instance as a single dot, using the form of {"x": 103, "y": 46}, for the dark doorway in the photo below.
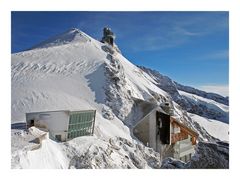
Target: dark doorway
{"x": 163, "y": 123}
{"x": 111, "y": 41}
{"x": 31, "y": 123}
{"x": 58, "y": 137}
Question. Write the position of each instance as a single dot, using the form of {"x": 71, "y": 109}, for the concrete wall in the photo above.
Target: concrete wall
{"x": 56, "y": 122}
{"x": 141, "y": 131}
{"x": 152, "y": 130}
{"x": 146, "y": 131}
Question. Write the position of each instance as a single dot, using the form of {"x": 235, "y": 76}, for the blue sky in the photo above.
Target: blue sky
{"x": 189, "y": 47}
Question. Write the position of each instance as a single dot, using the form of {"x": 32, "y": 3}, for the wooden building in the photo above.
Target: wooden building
{"x": 166, "y": 135}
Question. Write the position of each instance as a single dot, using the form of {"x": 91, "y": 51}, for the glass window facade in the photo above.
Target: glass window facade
{"x": 81, "y": 123}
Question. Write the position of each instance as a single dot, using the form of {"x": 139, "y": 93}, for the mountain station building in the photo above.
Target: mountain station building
{"x": 166, "y": 135}
{"x": 63, "y": 125}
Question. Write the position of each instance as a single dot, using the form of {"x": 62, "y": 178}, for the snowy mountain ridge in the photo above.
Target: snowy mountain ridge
{"x": 71, "y": 36}
{"x": 213, "y": 96}
{"x": 209, "y": 105}
{"x": 74, "y": 71}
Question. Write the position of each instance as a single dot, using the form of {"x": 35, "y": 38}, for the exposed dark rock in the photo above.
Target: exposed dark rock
{"x": 210, "y": 156}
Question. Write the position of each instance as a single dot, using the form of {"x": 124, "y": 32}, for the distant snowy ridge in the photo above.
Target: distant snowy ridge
{"x": 205, "y": 104}
{"x": 216, "y": 97}
{"x": 207, "y": 107}
{"x": 216, "y": 128}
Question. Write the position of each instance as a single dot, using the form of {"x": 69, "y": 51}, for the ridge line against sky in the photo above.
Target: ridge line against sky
{"x": 189, "y": 47}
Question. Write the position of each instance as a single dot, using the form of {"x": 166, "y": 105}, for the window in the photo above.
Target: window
{"x": 81, "y": 123}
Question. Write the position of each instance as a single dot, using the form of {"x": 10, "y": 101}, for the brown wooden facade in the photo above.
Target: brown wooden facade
{"x": 184, "y": 132}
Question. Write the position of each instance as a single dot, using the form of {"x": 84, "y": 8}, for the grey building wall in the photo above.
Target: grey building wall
{"x": 146, "y": 131}
{"x": 56, "y": 122}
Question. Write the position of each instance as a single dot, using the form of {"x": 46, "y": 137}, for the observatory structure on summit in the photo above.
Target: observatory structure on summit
{"x": 108, "y": 36}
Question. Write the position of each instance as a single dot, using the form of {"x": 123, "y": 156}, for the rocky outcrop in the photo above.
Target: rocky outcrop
{"x": 118, "y": 153}
{"x": 118, "y": 98}
{"x": 210, "y": 156}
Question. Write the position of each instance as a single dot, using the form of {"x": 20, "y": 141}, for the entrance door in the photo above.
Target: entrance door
{"x": 164, "y": 127}
{"x": 111, "y": 41}
{"x": 31, "y": 123}
{"x": 58, "y": 138}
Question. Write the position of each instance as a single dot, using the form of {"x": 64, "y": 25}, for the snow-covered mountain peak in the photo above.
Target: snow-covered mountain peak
{"x": 73, "y": 71}
{"x": 72, "y": 35}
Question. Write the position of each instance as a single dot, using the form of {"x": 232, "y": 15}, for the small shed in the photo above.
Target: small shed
{"x": 63, "y": 125}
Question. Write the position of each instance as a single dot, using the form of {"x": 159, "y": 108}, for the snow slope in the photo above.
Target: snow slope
{"x": 216, "y": 128}
{"x": 48, "y": 156}
{"x": 55, "y": 78}
{"x": 83, "y": 152}
{"x": 213, "y": 104}
{"x": 68, "y": 76}
{"x": 208, "y": 106}
{"x": 71, "y": 36}
{"x": 73, "y": 71}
